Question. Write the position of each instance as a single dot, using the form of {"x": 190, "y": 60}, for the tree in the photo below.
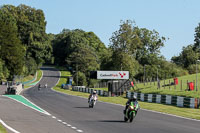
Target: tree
{"x": 80, "y": 45}
{"x": 106, "y": 63}
{"x": 151, "y": 43}
{"x": 79, "y": 50}
{"x": 134, "y": 46}
{"x": 197, "y": 39}
{"x": 97, "y": 45}
{"x": 31, "y": 26}
{"x": 83, "y": 59}
{"x": 11, "y": 50}
{"x": 123, "y": 43}
{"x": 125, "y": 39}
{"x": 4, "y": 73}
{"x": 81, "y": 79}
{"x": 187, "y": 57}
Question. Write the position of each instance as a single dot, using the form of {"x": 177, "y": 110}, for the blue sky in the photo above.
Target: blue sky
{"x": 173, "y": 19}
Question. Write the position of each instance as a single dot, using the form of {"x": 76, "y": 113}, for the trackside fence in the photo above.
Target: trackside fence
{"x": 88, "y": 90}
{"x": 166, "y": 99}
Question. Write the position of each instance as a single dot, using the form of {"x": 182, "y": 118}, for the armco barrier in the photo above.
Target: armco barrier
{"x": 88, "y": 90}
{"x": 166, "y": 99}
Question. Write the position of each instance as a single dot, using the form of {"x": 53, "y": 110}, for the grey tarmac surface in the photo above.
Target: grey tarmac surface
{"x": 3, "y": 89}
{"x": 26, "y": 120}
{"x": 103, "y": 118}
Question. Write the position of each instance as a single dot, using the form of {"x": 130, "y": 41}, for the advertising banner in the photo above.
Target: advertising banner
{"x": 112, "y": 74}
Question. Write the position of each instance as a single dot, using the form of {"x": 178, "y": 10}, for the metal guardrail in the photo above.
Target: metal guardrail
{"x": 89, "y": 90}
{"x": 166, "y": 99}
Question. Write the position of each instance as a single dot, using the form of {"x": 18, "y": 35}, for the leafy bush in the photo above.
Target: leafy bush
{"x": 192, "y": 69}
{"x": 81, "y": 79}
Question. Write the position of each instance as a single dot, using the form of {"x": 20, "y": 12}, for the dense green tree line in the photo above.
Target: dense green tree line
{"x": 25, "y": 46}
{"x": 131, "y": 49}
{"x": 138, "y": 50}
{"x": 80, "y": 51}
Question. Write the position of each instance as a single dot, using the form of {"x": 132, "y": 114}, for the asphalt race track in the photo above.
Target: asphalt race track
{"x": 104, "y": 117}
{"x": 26, "y": 120}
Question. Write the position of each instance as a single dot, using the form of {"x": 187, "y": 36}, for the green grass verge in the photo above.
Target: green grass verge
{"x": 39, "y": 75}
{"x": 2, "y": 129}
{"x": 184, "y": 112}
{"x": 104, "y": 89}
{"x": 167, "y": 89}
{"x": 27, "y": 78}
{"x": 30, "y": 77}
{"x": 172, "y": 92}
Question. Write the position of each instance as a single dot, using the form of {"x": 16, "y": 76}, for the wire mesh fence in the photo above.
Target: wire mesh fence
{"x": 171, "y": 84}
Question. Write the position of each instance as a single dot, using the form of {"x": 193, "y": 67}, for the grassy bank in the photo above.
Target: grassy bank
{"x": 2, "y": 129}
{"x": 185, "y": 112}
{"x": 39, "y": 75}
{"x": 168, "y": 88}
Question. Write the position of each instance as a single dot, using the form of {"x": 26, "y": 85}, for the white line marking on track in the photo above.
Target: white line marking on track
{"x": 53, "y": 117}
{"x": 69, "y": 125}
{"x": 73, "y": 127}
{"x": 8, "y": 127}
{"x": 80, "y": 131}
{"x": 64, "y": 123}
{"x": 59, "y": 120}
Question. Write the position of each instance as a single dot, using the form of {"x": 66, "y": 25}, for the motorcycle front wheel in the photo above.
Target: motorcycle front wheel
{"x": 132, "y": 116}
{"x": 91, "y": 105}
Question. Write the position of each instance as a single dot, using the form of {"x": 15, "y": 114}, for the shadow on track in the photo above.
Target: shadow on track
{"x": 111, "y": 121}
{"x": 48, "y": 69}
{"x": 82, "y": 107}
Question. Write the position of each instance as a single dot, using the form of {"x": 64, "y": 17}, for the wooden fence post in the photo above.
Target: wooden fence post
{"x": 164, "y": 83}
{"x": 174, "y": 86}
{"x": 181, "y": 85}
{"x": 194, "y": 84}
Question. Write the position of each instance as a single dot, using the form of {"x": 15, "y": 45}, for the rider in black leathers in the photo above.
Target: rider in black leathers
{"x": 134, "y": 100}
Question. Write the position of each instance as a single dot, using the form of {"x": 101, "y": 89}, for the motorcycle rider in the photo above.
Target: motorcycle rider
{"x": 94, "y": 93}
{"x": 132, "y": 99}
{"x": 39, "y": 86}
{"x": 46, "y": 85}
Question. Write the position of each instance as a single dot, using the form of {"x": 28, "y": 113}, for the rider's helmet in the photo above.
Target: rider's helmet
{"x": 133, "y": 98}
{"x": 94, "y": 92}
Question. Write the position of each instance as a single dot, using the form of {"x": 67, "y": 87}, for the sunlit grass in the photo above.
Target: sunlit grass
{"x": 168, "y": 88}
{"x": 39, "y": 75}
{"x": 2, "y": 129}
